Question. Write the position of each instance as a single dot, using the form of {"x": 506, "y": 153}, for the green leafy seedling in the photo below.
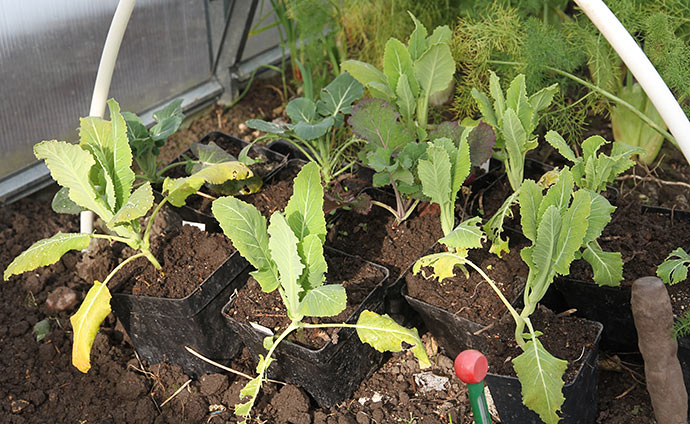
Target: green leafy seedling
{"x": 146, "y": 143}
{"x": 514, "y": 116}
{"x": 316, "y": 127}
{"x": 674, "y": 269}
{"x": 411, "y": 74}
{"x": 96, "y": 175}
{"x": 287, "y": 255}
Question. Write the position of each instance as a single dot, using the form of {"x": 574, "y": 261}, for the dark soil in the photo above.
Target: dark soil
{"x": 565, "y": 337}
{"x": 473, "y": 298}
{"x": 187, "y": 256}
{"x": 267, "y": 309}
{"x": 374, "y": 236}
{"x": 644, "y": 238}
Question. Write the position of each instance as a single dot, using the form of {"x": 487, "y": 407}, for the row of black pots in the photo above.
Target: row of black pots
{"x": 161, "y": 328}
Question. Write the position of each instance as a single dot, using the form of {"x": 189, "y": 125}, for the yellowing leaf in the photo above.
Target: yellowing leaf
{"x": 86, "y": 322}
{"x": 46, "y": 252}
{"x": 443, "y": 264}
{"x": 386, "y": 335}
{"x": 178, "y": 189}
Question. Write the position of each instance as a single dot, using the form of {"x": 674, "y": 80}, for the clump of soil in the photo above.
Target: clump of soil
{"x": 267, "y": 309}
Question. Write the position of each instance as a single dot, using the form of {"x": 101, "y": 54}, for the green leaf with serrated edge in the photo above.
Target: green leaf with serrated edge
{"x": 267, "y": 127}
{"x": 301, "y": 110}
{"x": 46, "y": 252}
{"x": 246, "y": 228}
{"x": 591, "y": 145}
{"x": 599, "y": 217}
{"x": 435, "y": 175}
{"x": 558, "y": 195}
{"x": 178, "y": 189}
{"x": 338, "y": 96}
{"x": 485, "y": 107}
{"x": 461, "y": 163}
{"x": 544, "y": 248}
{"x": 441, "y": 34}
{"x": 673, "y": 271}
{"x": 530, "y": 198}
{"x": 135, "y": 127}
{"x": 621, "y": 154}
{"x": 417, "y": 42}
{"x": 434, "y": 69}
{"x": 494, "y": 226}
{"x": 283, "y": 246}
{"x": 542, "y": 98}
{"x": 516, "y": 99}
{"x": 574, "y": 227}
{"x": 311, "y": 251}
{"x": 606, "y": 266}
{"x": 137, "y": 205}
{"x": 313, "y": 131}
{"x": 497, "y": 94}
{"x": 376, "y": 121}
{"x": 396, "y": 63}
{"x": 86, "y": 322}
{"x": 109, "y": 144}
{"x": 69, "y": 165}
{"x": 324, "y": 301}
{"x": 304, "y": 211}
{"x": 515, "y": 139}
{"x": 63, "y": 204}
{"x": 96, "y": 138}
{"x": 443, "y": 264}
{"x": 252, "y": 388}
{"x": 541, "y": 378}
{"x": 406, "y": 99}
{"x": 385, "y": 335}
{"x": 558, "y": 143}
{"x": 467, "y": 235}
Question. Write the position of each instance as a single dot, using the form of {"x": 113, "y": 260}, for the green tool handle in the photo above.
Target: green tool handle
{"x": 480, "y": 408}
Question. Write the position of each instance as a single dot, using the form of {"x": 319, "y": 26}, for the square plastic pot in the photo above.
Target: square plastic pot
{"x": 581, "y": 395}
{"x": 160, "y": 328}
{"x": 332, "y": 373}
{"x": 193, "y": 215}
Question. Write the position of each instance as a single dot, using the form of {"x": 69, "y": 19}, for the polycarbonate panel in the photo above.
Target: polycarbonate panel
{"x": 265, "y": 40}
{"x": 49, "y": 55}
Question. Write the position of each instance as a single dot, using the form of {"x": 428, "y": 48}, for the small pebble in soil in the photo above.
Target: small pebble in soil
{"x": 61, "y": 299}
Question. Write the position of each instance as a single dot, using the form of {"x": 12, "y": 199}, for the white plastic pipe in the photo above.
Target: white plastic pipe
{"x": 643, "y": 70}
{"x": 104, "y": 77}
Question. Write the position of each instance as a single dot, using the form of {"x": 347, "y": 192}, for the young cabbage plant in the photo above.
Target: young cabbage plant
{"x": 592, "y": 172}
{"x": 629, "y": 128}
{"x": 672, "y": 271}
{"x": 96, "y": 175}
{"x": 447, "y": 163}
{"x": 288, "y": 256}
{"x": 411, "y": 74}
{"x": 558, "y": 223}
{"x": 146, "y": 144}
{"x": 316, "y": 128}
{"x": 514, "y": 116}
{"x": 392, "y": 151}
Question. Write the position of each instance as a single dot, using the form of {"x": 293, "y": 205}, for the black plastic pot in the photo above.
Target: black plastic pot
{"x": 607, "y": 305}
{"x": 452, "y": 332}
{"x": 193, "y": 215}
{"x": 161, "y": 328}
{"x": 330, "y": 374}
{"x": 581, "y": 395}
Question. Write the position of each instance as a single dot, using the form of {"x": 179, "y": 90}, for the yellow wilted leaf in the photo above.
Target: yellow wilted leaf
{"x": 86, "y": 322}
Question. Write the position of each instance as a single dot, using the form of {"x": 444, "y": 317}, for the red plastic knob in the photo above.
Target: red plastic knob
{"x": 471, "y": 366}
